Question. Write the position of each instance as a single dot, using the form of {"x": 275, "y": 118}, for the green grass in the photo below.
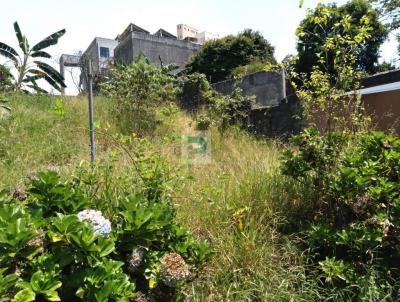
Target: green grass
{"x": 35, "y": 138}
{"x": 238, "y": 202}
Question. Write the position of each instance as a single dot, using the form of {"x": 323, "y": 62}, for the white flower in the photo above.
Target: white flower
{"x": 100, "y": 224}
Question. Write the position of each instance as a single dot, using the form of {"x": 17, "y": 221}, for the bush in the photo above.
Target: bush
{"x": 355, "y": 217}
{"x": 88, "y": 239}
{"x": 196, "y": 92}
{"x": 138, "y": 89}
{"x": 218, "y": 58}
{"x": 5, "y": 78}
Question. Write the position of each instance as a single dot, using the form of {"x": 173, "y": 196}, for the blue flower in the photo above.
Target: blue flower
{"x": 100, "y": 224}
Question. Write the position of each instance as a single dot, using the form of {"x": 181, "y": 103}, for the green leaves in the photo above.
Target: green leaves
{"x": 52, "y": 76}
{"x": 58, "y": 257}
{"x": 9, "y": 52}
{"x": 27, "y": 76}
{"x": 41, "y": 284}
{"x": 107, "y": 282}
{"x": 16, "y": 229}
{"x": 50, "y": 40}
{"x": 6, "y": 281}
{"x": 58, "y": 108}
{"x": 23, "y": 42}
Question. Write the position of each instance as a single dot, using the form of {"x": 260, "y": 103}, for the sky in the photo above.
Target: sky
{"x": 85, "y": 19}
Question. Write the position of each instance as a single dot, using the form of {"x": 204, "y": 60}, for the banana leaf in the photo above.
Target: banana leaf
{"x": 23, "y": 42}
{"x": 8, "y": 52}
{"x": 40, "y": 54}
{"x": 50, "y": 71}
{"x": 50, "y": 40}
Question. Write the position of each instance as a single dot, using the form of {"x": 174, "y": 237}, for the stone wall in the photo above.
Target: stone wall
{"x": 269, "y": 88}
{"x": 278, "y": 109}
{"x": 170, "y": 50}
{"x": 278, "y": 121}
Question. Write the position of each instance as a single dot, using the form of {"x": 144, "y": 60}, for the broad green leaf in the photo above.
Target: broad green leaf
{"x": 8, "y": 52}
{"x": 51, "y": 72}
{"x": 25, "y": 295}
{"x": 23, "y": 43}
{"x": 41, "y": 54}
{"x": 50, "y": 40}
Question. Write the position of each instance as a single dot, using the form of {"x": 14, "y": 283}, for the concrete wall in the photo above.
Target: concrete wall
{"x": 171, "y": 51}
{"x": 110, "y": 44}
{"x": 278, "y": 121}
{"x": 269, "y": 88}
{"x": 93, "y": 52}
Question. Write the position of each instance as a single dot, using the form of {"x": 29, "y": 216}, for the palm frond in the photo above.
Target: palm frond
{"x": 50, "y": 71}
{"x": 41, "y": 54}
{"x": 8, "y": 52}
{"x": 50, "y": 40}
{"x": 23, "y": 42}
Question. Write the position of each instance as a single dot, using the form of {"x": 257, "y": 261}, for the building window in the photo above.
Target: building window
{"x": 104, "y": 52}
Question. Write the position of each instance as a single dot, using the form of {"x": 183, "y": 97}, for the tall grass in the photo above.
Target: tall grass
{"x": 239, "y": 201}
{"x": 35, "y": 138}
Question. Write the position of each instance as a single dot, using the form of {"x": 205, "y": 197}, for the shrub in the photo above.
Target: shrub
{"x": 196, "y": 92}
{"x": 5, "y": 78}
{"x": 137, "y": 90}
{"x": 355, "y": 221}
{"x": 86, "y": 240}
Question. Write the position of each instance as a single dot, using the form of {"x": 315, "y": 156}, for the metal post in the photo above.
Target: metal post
{"x": 90, "y": 99}
{"x": 62, "y": 71}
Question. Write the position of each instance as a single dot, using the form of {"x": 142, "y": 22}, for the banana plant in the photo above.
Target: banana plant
{"x": 29, "y": 69}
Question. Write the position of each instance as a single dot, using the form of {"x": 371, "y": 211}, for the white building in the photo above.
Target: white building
{"x": 186, "y": 32}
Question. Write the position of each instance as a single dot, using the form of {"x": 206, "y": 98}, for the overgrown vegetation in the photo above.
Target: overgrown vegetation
{"x": 57, "y": 245}
{"x": 138, "y": 89}
{"x": 318, "y": 221}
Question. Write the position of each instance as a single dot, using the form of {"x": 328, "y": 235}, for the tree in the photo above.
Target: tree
{"x": 329, "y": 91}
{"x": 29, "y": 70}
{"x": 389, "y": 11}
{"x": 313, "y": 35}
{"x": 218, "y": 58}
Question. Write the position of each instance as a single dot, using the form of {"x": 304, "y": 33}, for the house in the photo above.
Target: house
{"x": 162, "y": 47}
{"x": 188, "y": 33}
{"x": 159, "y": 47}
{"x": 380, "y": 94}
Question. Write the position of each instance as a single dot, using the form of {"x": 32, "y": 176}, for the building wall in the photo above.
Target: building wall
{"x": 279, "y": 121}
{"x": 108, "y": 43}
{"x": 93, "y": 52}
{"x": 185, "y": 31}
{"x": 205, "y": 36}
{"x": 269, "y": 88}
{"x": 171, "y": 51}
{"x": 385, "y": 110}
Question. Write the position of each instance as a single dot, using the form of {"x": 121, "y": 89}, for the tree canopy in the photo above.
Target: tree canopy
{"x": 312, "y": 36}
{"x": 218, "y": 58}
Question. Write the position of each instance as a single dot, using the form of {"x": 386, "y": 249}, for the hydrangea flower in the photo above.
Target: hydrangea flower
{"x": 136, "y": 258}
{"x": 38, "y": 241}
{"x": 173, "y": 268}
{"x": 100, "y": 224}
